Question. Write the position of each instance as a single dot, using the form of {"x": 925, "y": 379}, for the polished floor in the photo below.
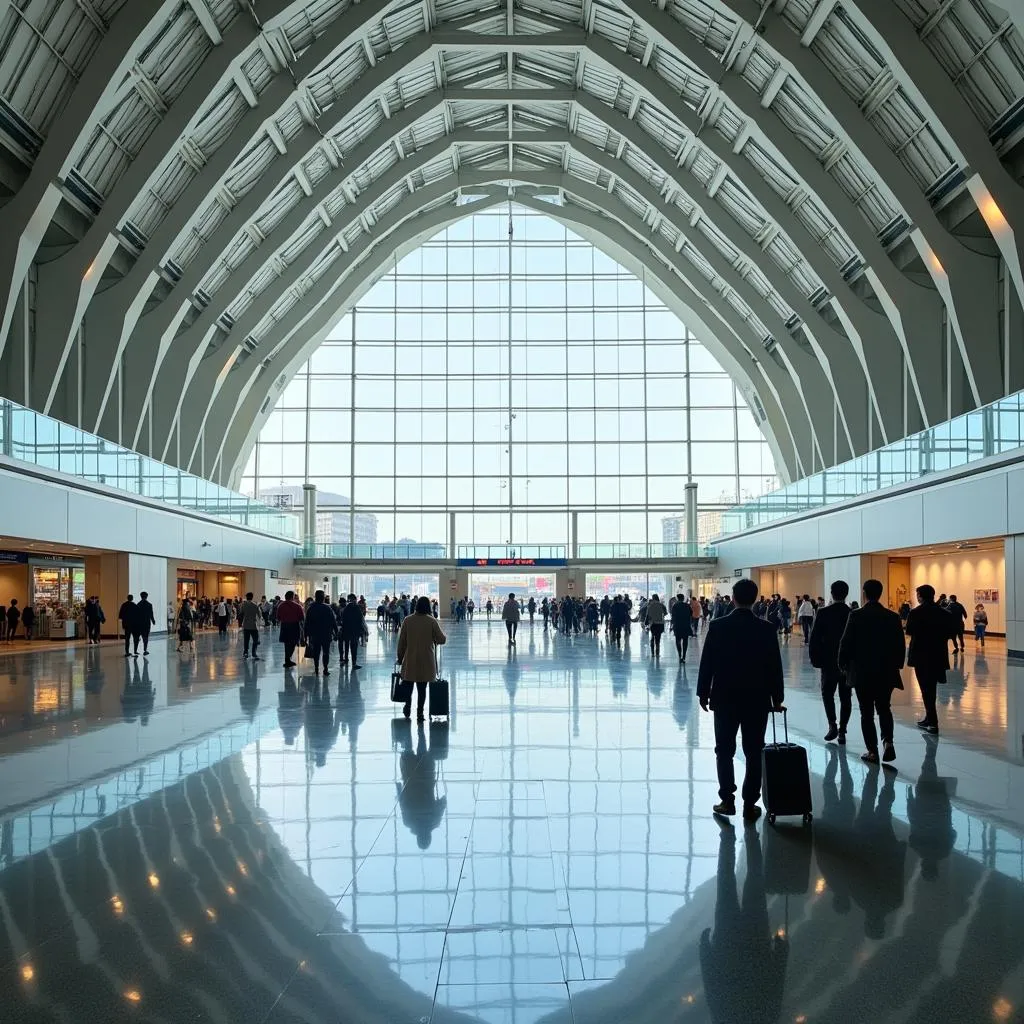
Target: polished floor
{"x": 201, "y": 839}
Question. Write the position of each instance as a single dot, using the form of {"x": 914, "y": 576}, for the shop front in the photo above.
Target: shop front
{"x": 188, "y": 584}
{"x": 53, "y": 584}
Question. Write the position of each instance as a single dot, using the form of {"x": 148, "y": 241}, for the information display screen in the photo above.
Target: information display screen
{"x": 512, "y": 563}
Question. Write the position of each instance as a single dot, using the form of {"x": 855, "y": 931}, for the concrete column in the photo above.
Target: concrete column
{"x": 259, "y": 582}
{"x": 855, "y": 569}
{"x": 452, "y": 583}
{"x": 690, "y": 490}
{"x": 1014, "y": 595}
{"x": 308, "y": 517}
{"x": 113, "y": 575}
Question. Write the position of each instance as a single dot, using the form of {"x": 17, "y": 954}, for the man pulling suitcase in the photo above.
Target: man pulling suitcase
{"x": 740, "y": 679}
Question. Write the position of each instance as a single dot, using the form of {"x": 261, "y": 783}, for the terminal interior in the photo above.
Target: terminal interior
{"x": 537, "y": 301}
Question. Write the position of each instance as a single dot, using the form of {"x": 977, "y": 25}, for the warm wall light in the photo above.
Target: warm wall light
{"x": 230, "y": 890}
{"x": 991, "y": 213}
{"x": 28, "y": 972}
{"x": 186, "y": 938}
{"x": 115, "y": 902}
{"x": 211, "y": 913}
{"x": 133, "y": 995}
{"x": 154, "y": 880}
{"x": 935, "y": 262}
{"x": 243, "y": 868}
{"x": 819, "y": 886}
{"x": 1002, "y": 1008}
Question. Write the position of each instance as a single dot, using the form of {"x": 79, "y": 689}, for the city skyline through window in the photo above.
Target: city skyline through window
{"x": 586, "y": 395}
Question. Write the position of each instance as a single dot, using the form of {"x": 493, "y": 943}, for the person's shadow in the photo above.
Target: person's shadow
{"x": 139, "y": 697}
{"x": 876, "y": 878}
{"x": 931, "y": 814}
{"x": 248, "y": 692}
{"x": 289, "y": 709}
{"x": 742, "y": 963}
{"x": 422, "y": 809}
{"x": 833, "y": 828}
{"x": 321, "y": 723}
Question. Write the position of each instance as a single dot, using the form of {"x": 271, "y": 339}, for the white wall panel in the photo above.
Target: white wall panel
{"x": 841, "y": 533}
{"x": 33, "y": 509}
{"x": 161, "y": 533}
{"x": 800, "y": 541}
{"x": 973, "y": 507}
{"x": 100, "y": 522}
{"x": 894, "y": 523}
{"x": 963, "y": 573}
{"x": 1015, "y": 500}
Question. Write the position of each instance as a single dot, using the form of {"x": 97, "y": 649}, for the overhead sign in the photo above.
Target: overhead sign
{"x": 512, "y": 563}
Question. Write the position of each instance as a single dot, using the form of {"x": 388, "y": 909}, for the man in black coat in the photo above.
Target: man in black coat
{"x": 959, "y": 613}
{"x": 145, "y": 619}
{"x": 930, "y": 629}
{"x": 740, "y": 679}
{"x": 871, "y": 653}
{"x": 829, "y": 625}
{"x": 127, "y": 615}
{"x": 352, "y": 629}
{"x": 682, "y": 623}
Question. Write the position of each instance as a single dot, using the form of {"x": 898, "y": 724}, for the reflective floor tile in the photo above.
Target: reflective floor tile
{"x": 511, "y": 1003}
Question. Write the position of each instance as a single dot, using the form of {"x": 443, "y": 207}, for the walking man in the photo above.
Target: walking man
{"x": 251, "y": 616}
{"x": 126, "y": 616}
{"x": 959, "y": 613}
{"x": 740, "y": 680}
{"x": 805, "y": 613}
{"x": 352, "y": 629}
{"x": 682, "y": 625}
{"x": 871, "y": 653}
{"x": 290, "y": 616}
{"x": 145, "y": 619}
{"x": 511, "y": 614}
{"x": 656, "y": 613}
{"x": 930, "y": 629}
{"x": 825, "y": 636}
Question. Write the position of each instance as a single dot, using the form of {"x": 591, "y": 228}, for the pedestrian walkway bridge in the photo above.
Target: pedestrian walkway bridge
{"x": 680, "y": 558}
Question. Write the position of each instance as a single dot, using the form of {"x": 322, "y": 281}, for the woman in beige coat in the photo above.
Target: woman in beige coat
{"x": 419, "y": 633}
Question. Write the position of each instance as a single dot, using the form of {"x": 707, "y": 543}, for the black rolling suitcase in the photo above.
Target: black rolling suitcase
{"x": 785, "y": 777}
{"x": 437, "y": 692}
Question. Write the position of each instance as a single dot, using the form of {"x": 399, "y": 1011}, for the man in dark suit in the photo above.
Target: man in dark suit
{"x": 740, "y": 679}
{"x": 930, "y": 629}
{"x": 829, "y": 624}
{"x": 871, "y": 653}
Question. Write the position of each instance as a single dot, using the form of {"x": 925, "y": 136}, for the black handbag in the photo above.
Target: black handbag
{"x": 401, "y": 691}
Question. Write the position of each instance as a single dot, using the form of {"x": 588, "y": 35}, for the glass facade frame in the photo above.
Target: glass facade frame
{"x": 586, "y": 394}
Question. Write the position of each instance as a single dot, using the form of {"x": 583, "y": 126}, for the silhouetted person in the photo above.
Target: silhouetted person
{"x": 930, "y": 629}
{"x": 829, "y": 625}
{"x": 145, "y": 620}
{"x": 321, "y": 628}
{"x": 682, "y": 625}
{"x": 740, "y": 679}
{"x": 126, "y": 616}
{"x": 931, "y": 816}
{"x": 250, "y": 616}
{"x": 871, "y": 653}
{"x": 419, "y": 635}
{"x": 353, "y": 626}
{"x": 290, "y": 616}
{"x": 876, "y": 878}
{"x": 959, "y": 615}
{"x": 422, "y": 809}
{"x": 742, "y": 963}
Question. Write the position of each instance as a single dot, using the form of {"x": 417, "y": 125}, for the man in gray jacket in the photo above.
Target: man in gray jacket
{"x": 250, "y": 616}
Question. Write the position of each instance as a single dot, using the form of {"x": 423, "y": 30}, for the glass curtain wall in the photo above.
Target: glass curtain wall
{"x": 588, "y": 395}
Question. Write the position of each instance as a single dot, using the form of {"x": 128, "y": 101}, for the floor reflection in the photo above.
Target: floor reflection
{"x": 202, "y": 838}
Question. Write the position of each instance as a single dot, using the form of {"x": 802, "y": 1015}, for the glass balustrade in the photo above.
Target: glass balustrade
{"x": 994, "y": 429}
{"x": 37, "y": 440}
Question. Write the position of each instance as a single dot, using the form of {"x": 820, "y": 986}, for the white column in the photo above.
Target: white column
{"x": 451, "y": 535}
{"x": 690, "y": 490}
{"x": 308, "y": 517}
{"x": 1014, "y": 595}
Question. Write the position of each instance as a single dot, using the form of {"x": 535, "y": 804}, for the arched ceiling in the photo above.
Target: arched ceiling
{"x": 827, "y": 191}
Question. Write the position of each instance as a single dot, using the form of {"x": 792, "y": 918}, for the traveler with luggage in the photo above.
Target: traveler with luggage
{"x": 826, "y": 633}
{"x": 740, "y": 679}
{"x": 871, "y": 653}
{"x": 416, "y": 641}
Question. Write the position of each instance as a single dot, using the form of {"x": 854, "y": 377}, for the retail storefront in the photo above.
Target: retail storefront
{"x": 53, "y": 584}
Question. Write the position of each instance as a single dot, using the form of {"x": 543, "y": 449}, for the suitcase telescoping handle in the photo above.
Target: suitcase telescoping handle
{"x": 785, "y": 724}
